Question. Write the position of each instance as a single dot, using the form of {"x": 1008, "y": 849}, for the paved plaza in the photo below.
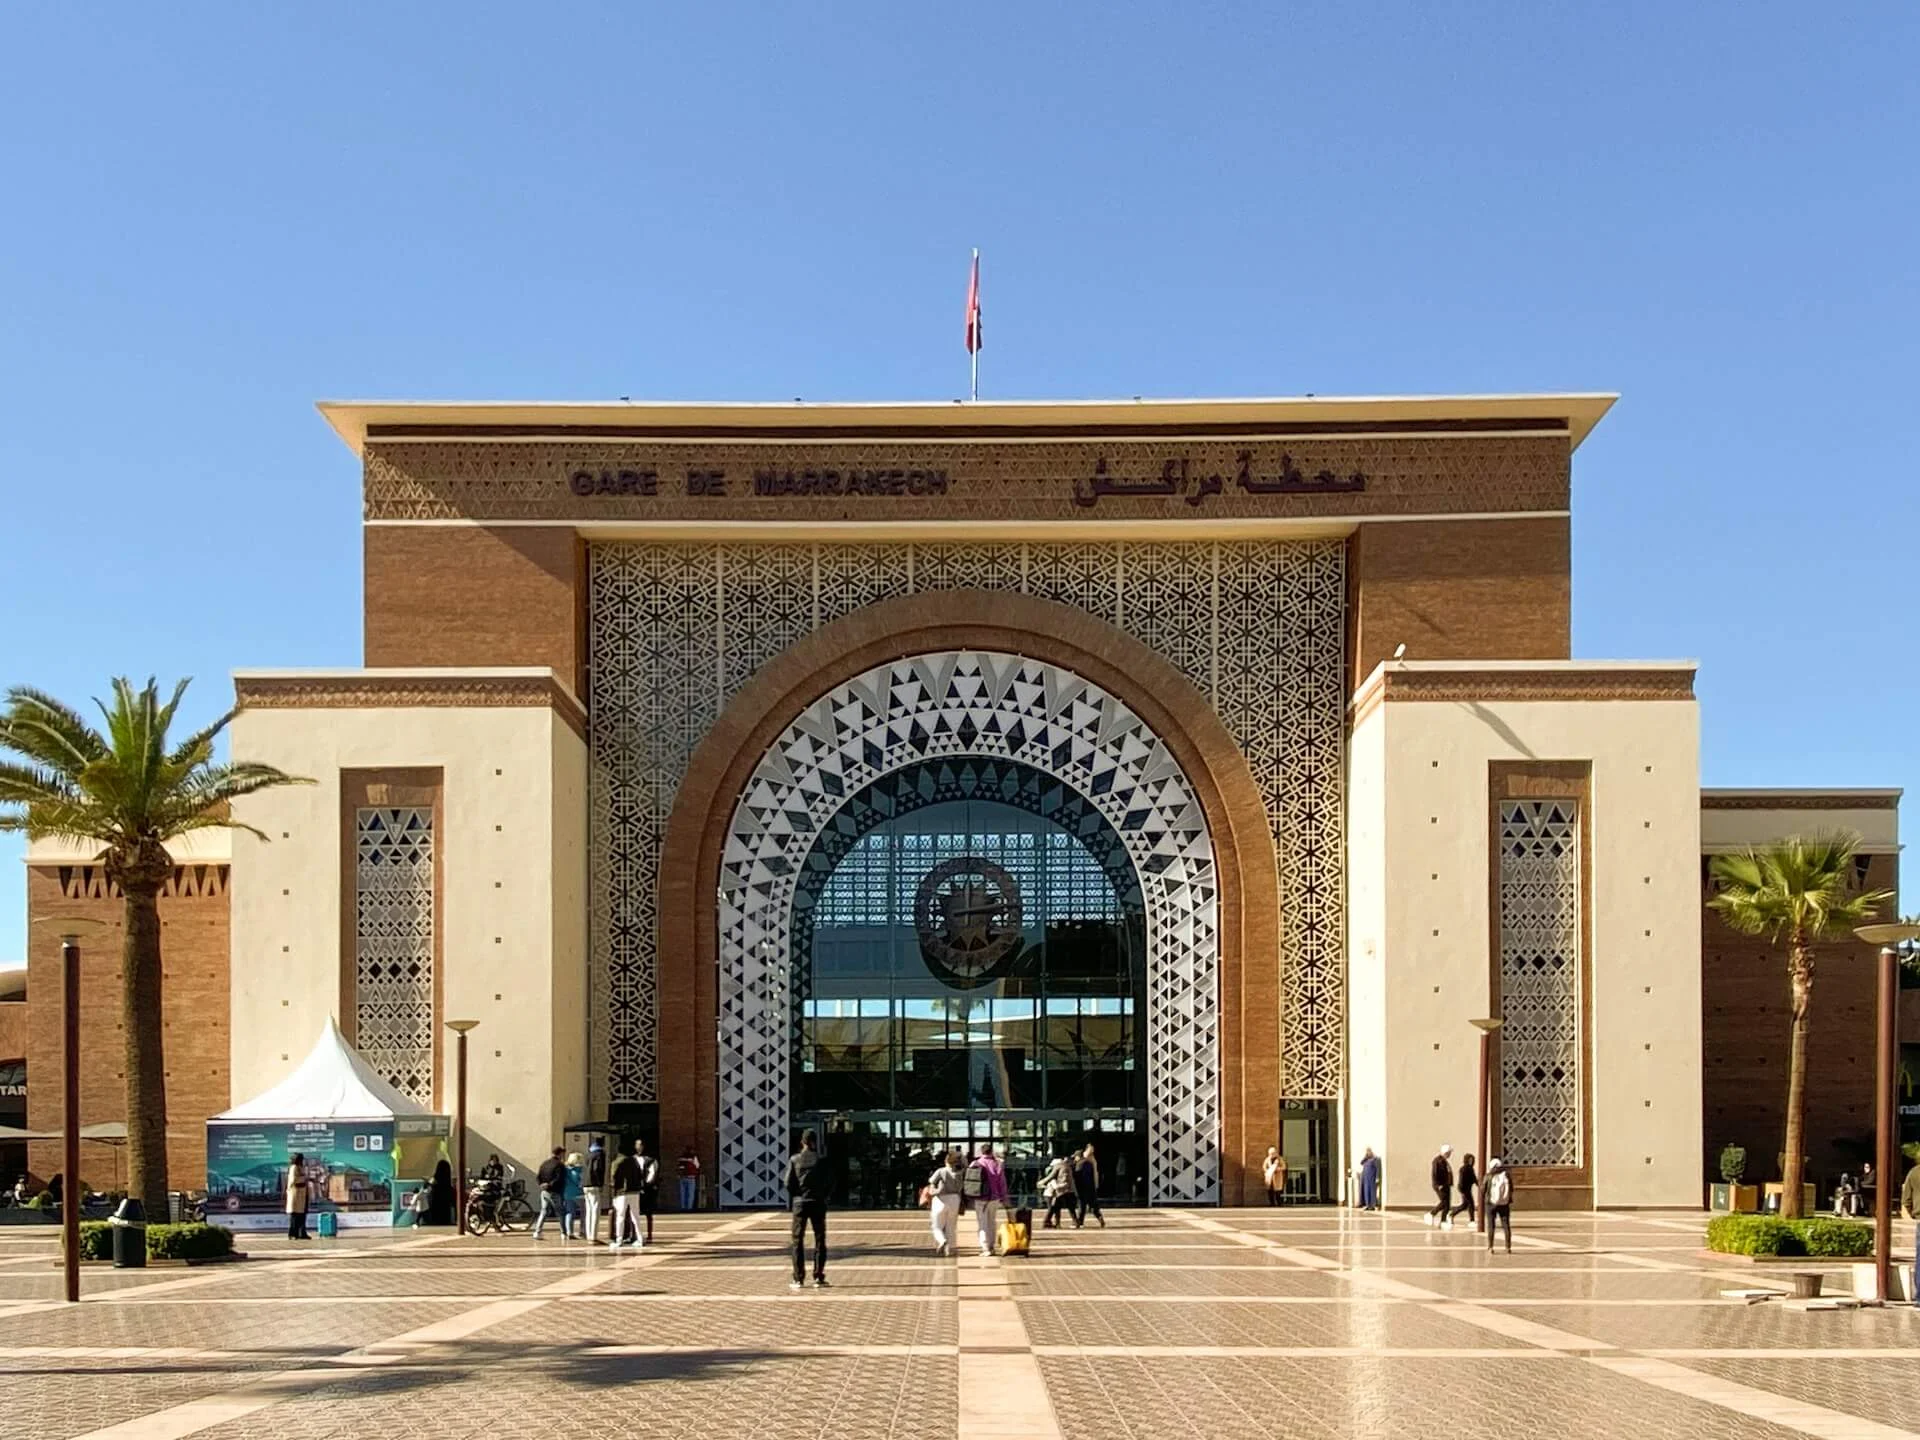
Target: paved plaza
{"x": 1168, "y": 1323}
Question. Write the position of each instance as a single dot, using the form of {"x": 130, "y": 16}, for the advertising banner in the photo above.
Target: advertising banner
{"x": 349, "y": 1165}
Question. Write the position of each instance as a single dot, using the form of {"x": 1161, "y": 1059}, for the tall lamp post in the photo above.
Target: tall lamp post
{"x": 460, "y": 1029}
{"x": 1885, "y": 1104}
{"x": 71, "y": 928}
{"x": 1484, "y": 1123}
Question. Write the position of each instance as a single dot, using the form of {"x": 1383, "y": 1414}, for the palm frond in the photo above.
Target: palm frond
{"x": 1802, "y": 886}
{"x": 54, "y": 720}
{"x": 198, "y": 746}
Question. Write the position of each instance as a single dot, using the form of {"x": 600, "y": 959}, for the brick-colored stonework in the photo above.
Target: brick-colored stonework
{"x": 1044, "y": 476}
{"x": 466, "y": 596}
{"x": 986, "y": 620}
{"x": 194, "y": 934}
{"x": 1744, "y": 1028}
{"x": 1460, "y": 590}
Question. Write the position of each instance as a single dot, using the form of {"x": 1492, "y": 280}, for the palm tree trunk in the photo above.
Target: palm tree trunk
{"x": 146, "y": 1066}
{"x": 1800, "y": 971}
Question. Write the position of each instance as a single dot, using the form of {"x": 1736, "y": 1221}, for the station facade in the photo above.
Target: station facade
{"x": 1183, "y": 776}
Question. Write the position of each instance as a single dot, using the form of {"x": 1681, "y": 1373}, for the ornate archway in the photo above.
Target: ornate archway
{"x": 1195, "y": 753}
{"x": 962, "y": 704}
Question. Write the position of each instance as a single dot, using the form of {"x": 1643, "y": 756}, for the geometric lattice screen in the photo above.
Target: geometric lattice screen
{"x": 674, "y": 631}
{"x": 393, "y": 945}
{"x": 952, "y": 706}
{"x": 1540, "y": 981}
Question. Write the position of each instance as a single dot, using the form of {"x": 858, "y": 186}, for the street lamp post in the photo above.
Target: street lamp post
{"x": 460, "y": 1029}
{"x": 70, "y": 1110}
{"x": 1885, "y": 1103}
{"x": 1488, "y": 1029}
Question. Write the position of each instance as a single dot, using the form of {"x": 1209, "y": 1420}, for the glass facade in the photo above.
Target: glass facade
{"x": 971, "y": 964}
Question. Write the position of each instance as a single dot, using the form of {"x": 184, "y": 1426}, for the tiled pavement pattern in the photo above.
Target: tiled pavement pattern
{"x": 1197, "y": 1323}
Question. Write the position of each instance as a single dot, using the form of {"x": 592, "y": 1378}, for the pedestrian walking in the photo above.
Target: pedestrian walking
{"x": 552, "y": 1179}
{"x": 1275, "y": 1171}
{"x": 943, "y": 1193}
{"x": 296, "y": 1196}
{"x": 985, "y": 1184}
{"x": 593, "y": 1188}
{"x": 627, "y": 1175}
{"x": 808, "y": 1184}
{"x": 649, "y": 1185}
{"x": 1442, "y": 1212}
{"x": 1497, "y": 1196}
{"x": 1057, "y": 1191}
{"x": 1086, "y": 1188}
{"x": 1467, "y": 1179}
{"x": 1910, "y": 1202}
{"x": 572, "y": 1226}
{"x": 689, "y": 1178}
{"x": 1369, "y": 1180}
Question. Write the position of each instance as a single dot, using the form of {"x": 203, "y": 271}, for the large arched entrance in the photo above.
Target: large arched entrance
{"x": 969, "y": 943}
{"x": 784, "y": 787}
{"x": 947, "y": 707}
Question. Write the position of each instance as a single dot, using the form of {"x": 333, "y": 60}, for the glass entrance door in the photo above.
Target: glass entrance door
{"x": 970, "y": 966}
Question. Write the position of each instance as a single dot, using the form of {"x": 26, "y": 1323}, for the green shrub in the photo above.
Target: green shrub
{"x": 1733, "y": 1164}
{"x": 188, "y": 1242}
{"x": 1770, "y": 1235}
{"x": 96, "y": 1240}
{"x": 1837, "y": 1237}
{"x": 1754, "y": 1235}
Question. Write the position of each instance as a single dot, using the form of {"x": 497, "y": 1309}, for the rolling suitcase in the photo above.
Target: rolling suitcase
{"x": 327, "y": 1224}
{"x": 1016, "y": 1235}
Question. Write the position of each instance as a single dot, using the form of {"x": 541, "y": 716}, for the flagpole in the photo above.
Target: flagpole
{"x": 973, "y": 351}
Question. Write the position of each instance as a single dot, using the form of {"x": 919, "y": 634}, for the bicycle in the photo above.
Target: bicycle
{"x": 498, "y": 1205}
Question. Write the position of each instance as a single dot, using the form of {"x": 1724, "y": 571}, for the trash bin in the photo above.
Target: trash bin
{"x": 129, "y": 1224}
{"x": 1806, "y": 1284}
{"x": 176, "y": 1207}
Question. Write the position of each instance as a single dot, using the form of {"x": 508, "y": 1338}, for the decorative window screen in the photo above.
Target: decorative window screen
{"x": 1539, "y": 874}
{"x": 393, "y": 945}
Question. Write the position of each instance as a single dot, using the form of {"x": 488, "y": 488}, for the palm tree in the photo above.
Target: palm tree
{"x": 128, "y": 790}
{"x": 1800, "y": 892}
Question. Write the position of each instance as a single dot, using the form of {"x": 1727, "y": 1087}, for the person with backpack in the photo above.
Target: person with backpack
{"x": 552, "y": 1178}
{"x": 1442, "y": 1212}
{"x": 985, "y": 1188}
{"x": 1497, "y": 1195}
{"x": 808, "y": 1185}
{"x": 944, "y": 1195}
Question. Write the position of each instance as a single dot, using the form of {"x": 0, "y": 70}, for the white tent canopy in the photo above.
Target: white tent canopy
{"x": 332, "y": 1083}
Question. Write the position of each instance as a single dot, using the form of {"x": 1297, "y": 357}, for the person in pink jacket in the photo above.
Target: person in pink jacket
{"x": 985, "y": 1187}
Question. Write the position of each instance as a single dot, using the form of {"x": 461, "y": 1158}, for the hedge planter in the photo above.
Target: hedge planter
{"x": 1770, "y": 1237}
{"x": 192, "y": 1244}
{"x": 1734, "y": 1199}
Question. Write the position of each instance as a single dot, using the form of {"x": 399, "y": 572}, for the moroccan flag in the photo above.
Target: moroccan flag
{"x": 973, "y": 307}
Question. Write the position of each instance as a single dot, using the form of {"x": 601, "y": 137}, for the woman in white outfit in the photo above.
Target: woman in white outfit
{"x": 944, "y": 1185}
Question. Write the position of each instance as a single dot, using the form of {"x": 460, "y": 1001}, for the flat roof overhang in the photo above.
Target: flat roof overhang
{"x": 1573, "y": 415}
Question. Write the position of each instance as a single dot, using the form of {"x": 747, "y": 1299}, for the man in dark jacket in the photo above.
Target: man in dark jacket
{"x": 807, "y": 1185}
{"x": 593, "y": 1186}
{"x": 1442, "y": 1190}
{"x": 553, "y": 1190}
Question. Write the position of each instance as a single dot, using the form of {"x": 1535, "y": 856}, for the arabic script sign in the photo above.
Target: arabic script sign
{"x": 1178, "y": 477}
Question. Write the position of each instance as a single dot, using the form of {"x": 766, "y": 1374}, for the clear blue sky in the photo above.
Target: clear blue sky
{"x": 215, "y": 216}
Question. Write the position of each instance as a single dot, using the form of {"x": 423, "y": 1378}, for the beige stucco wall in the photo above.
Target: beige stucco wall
{"x": 512, "y": 907}
{"x": 1369, "y": 1122}
{"x": 1429, "y": 761}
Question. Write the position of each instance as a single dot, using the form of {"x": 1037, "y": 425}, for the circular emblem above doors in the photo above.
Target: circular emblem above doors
{"x": 968, "y": 914}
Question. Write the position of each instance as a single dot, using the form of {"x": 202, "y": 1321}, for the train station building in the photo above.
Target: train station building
{"x": 1184, "y": 776}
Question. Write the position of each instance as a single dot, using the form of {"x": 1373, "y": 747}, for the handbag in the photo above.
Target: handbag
{"x": 926, "y": 1196}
